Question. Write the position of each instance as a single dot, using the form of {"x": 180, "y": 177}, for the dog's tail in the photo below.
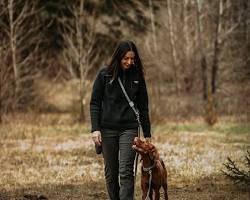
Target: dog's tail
{"x": 163, "y": 165}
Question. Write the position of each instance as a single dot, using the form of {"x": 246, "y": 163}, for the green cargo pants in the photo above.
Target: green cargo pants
{"x": 119, "y": 162}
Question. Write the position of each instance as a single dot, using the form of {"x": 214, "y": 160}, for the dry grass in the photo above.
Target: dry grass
{"x": 58, "y": 160}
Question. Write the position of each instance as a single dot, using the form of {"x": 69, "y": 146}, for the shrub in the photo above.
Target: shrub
{"x": 235, "y": 173}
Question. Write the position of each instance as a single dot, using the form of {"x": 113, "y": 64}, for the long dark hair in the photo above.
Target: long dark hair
{"x": 122, "y": 48}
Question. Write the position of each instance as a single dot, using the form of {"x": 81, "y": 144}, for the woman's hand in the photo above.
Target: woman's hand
{"x": 148, "y": 139}
{"x": 96, "y": 137}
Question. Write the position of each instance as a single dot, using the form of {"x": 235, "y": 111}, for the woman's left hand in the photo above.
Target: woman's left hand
{"x": 148, "y": 139}
{"x": 96, "y": 137}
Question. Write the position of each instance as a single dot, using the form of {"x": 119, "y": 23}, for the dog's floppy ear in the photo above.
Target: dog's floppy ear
{"x": 153, "y": 154}
{"x": 151, "y": 151}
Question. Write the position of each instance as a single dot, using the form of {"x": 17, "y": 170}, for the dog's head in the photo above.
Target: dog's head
{"x": 145, "y": 148}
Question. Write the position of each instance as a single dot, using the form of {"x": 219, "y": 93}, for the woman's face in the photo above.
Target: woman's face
{"x": 128, "y": 60}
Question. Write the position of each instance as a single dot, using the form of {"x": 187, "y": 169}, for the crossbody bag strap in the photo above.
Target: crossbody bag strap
{"x": 131, "y": 103}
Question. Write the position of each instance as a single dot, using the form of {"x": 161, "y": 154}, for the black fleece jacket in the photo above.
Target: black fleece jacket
{"x": 109, "y": 107}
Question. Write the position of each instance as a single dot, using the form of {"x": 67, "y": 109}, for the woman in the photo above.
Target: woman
{"x": 114, "y": 123}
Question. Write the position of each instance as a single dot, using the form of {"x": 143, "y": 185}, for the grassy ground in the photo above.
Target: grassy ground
{"x": 46, "y": 156}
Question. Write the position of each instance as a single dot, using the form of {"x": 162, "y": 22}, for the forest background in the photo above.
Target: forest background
{"x": 194, "y": 52}
{"x": 197, "y": 65}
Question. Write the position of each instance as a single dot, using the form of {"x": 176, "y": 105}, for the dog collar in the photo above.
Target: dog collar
{"x": 147, "y": 169}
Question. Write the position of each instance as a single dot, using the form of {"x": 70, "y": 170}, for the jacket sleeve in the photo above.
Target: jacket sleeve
{"x": 96, "y": 102}
{"x": 142, "y": 103}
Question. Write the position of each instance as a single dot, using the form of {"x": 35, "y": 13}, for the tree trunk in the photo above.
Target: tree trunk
{"x": 13, "y": 44}
{"x": 172, "y": 45}
{"x": 217, "y": 44}
{"x": 203, "y": 60}
{"x": 152, "y": 19}
{"x": 204, "y": 77}
{"x": 185, "y": 30}
{"x": 246, "y": 19}
{"x": 1, "y": 81}
{"x": 80, "y": 46}
{"x": 186, "y": 65}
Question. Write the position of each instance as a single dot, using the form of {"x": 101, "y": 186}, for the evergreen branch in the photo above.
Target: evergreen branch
{"x": 235, "y": 173}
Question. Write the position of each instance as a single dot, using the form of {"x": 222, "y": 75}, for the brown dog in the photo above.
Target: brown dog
{"x": 151, "y": 163}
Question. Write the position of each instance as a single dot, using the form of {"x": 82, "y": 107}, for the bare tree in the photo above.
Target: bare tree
{"x": 217, "y": 47}
{"x": 152, "y": 19}
{"x": 1, "y": 63}
{"x": 24, "y": 41}
{"x": 78, "y": 56}
{"x": 170, "y": 24}
{"x": 2, "y": 72}
{"x": 186, "y": 29}
{"x": 188, "y": 65}
{"x": 246, "y": 19}
{"x": 202, "y": 55}
{"x": 6, "y": 80}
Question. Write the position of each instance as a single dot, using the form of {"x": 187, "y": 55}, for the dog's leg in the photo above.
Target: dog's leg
{"x": 144, "y": 188}
{"x": 165, "y": 188}
{"x": 165, "y": 185}
{"x": 157, "y": 193}
{"x": 151, "y": 194}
